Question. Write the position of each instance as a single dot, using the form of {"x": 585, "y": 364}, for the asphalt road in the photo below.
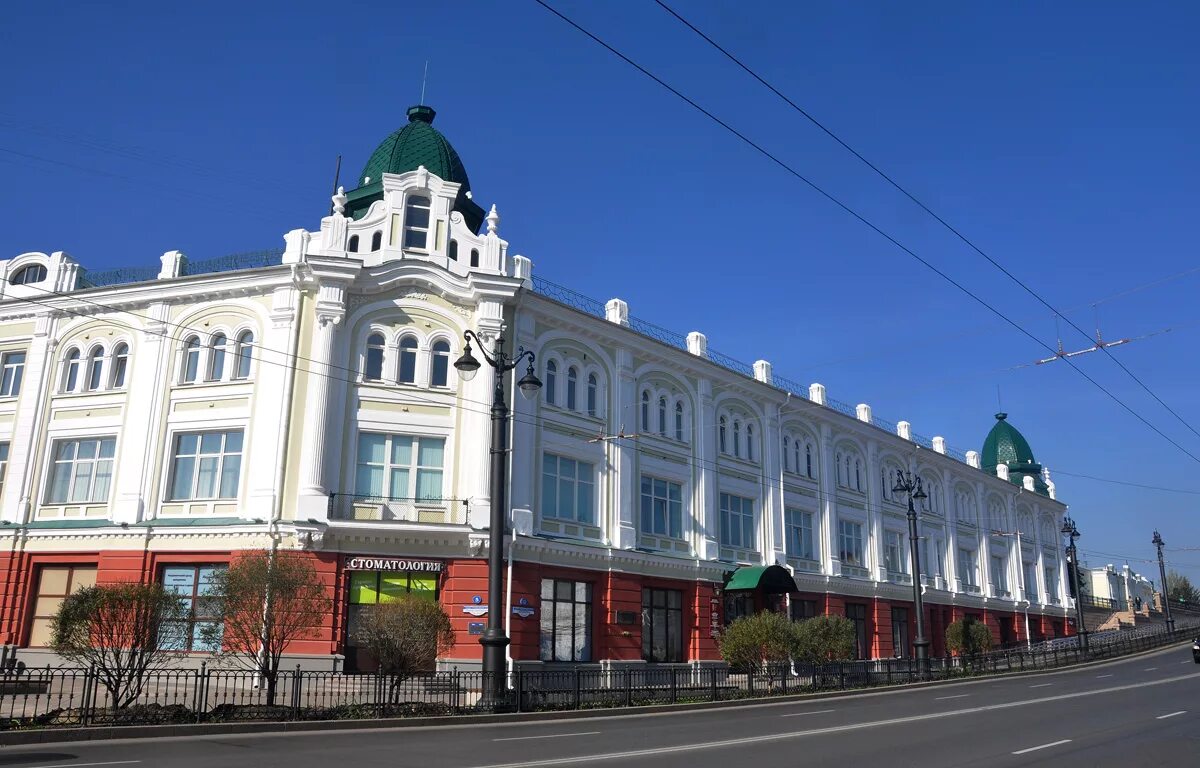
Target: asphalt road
{"x": 1136, "y": 712}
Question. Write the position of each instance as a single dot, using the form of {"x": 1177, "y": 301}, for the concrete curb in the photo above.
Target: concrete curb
{"x": 106, "y": 733}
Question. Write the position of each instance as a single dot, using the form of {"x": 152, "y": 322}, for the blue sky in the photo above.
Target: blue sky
{"x": 1060, "y": 137}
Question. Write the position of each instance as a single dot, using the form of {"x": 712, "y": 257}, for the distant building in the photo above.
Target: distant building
{"x": 156, "y": 422}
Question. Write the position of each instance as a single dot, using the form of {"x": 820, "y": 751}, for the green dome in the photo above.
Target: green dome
{"x": 416, "y": 144}
{"x": 1005, "y": 445}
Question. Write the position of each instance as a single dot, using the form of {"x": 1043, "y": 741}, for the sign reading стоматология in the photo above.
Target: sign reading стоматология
{"x": 393, "y": 564}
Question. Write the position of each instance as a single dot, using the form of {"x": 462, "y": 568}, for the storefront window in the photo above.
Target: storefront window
{"x": 566, "y": 620}
{"x": 662, "y": 625}
{"x": 803, "y": 609}
{"x": 54, "y": 584}
{"x": 737, "y": 605}
{"x": 194, "y": 585}
{"x": 857, "y": 613}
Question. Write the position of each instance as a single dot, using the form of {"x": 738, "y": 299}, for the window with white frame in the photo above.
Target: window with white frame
{"x": 808, "y": 460}
{"x": 850, "y": 543}
{"x": 894, "y": 558}
{"x": 191, "y": 360}
{"x": 408, "y": 360}
{"x": 737, "y": 522}
{"x": 662, "y": 415}
{"x": 82, "y": 470}
{"x": 28, "y": 275}
{"x": 71, "y": 371}
{"x": 416, "y": 222}
{"x": 399, "y": 466}
{"x": 593, "y": 385}
{"x": 646, "y": 411}
{"x": 439, "y": 364}
{"x": 1051, "y": 574}
{"x": 679, "y": 421}
{"x": 216, "y": 357}
{"x": 12, "y": 369}
{"x": 120, "y": 366}
{"x": 373, "y": 363}
{"x": 722, "y": 442}
{"x": 737, "y": 439}
{"x": 662, "y": 507}
{"x": 1031, "y": 586}
{"x": 206, "y": 465}
{"x": 572, "y": 388}
{"x": 243, "y": 355}
{"x": 933, "y": 501}
{"x": 799, "y": 534}
{"x": 849, "y": 471}
{"x": 568, "y": 489}
{"x": 551, "y": 381}
{"x": 787, "y": 454}
{"x": 95, "y": 368}
{"x": 750, "y": 442}
{"x": 999, "y": 575}
{"x": 968, "y": 571}
{"x": 3, "y": 464}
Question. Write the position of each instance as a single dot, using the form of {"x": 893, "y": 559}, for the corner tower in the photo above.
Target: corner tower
{"x": 1005, "y": 445}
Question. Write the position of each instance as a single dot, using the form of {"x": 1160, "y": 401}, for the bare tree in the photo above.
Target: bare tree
{"x": 123, "y": 633}
{"x": 406, "y": 636}
{"x": 268, "y": 600}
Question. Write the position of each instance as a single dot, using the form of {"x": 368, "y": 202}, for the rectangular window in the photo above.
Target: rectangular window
{"x": 3, "y": 466}
{"x": 368, "y": 588}
{"x": 966, "y": 568}
{"x": 850, "y": 543}
{"x": 857, "y": 613}
{"x": 1052, "y": 584}
{"x": 416, "y": 222}
{"x": 194, "y": 585}
{"x": 738, "y": 605}
{"x": 894, "y": 558}
{"x": 799, "y": 534}
{"x": 206, "y": 465}
{"x": 568, "y": 489}
{"x": 900, "y": 633}
{"x": 737, "y": 522}
{"x": 82, "y": 471}
{"x": 12, "y": 368}
{"x": 662, "y": 507}
{"x": 54, "y": 584}
{"x": 566, "y": 631}
{"x": 662, "y": 625}
{"x": 999, "y": 575}
{"x": 803, "y": 609}
{"x": 1031, "y": 586}
{"x": 399, "y": 467}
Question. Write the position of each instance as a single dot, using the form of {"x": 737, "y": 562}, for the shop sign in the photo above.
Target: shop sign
{"x": 393, "y": 564}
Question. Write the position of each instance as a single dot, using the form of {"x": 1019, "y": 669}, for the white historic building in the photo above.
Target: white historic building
{"x": 154, "y": 421}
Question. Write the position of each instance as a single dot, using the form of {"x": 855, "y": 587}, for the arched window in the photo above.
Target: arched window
{"x": 646, "y": 412}
{"x": 474, "y": 257}
{"x": 572, "y": 385}
{"x": 592, "y": 386}
{"x": 840, "y": 466}
{"x": 71, "y": 371}
{"x": 662, "y": 416}
{"x": 796, "y": 456}
{"x": 808, "y": 460}
{"x": 120, "y": 364}
{"x": 191, "y": 359}
{"x": 34, "y": 273}
{"x": 243, "y": 354}
{"x": 95, "y": 370}
{"x": 737, "y": 438}
{"x": 857, "y": 475}
{"x": 439, "y": 373}
{"x": 373, "y": 366}
{"x": 416, "y": 221}
{"x": 750, "y": 442}
{"x": 884, "y": 488}
{"x": 216, "y": 357}
{"x": 679, "y": 421}
{"x": 376, "y": 241}
{"x": 353, "y": 246}
{"x": 453, "y": 250}
{"x": 721, "y": 435}
{"x": 408, "y": 360}
{"x": 551, "y": 381}
{"x": 787, "y": 454}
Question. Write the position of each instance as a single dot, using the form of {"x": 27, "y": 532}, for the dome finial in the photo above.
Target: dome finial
{"x": 421, "y": 113}
{"x": 493, "y": 220}
{"x": 339, "y": 201}
{"x": 1001, "y": 416}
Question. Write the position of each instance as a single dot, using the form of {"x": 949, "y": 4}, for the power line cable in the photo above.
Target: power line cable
{"x": 1125, "y": 482}
{"x": 863, "y": 220}
{"x": 952, "y": 229}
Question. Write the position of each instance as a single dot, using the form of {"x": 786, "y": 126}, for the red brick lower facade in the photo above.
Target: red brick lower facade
{"x": 614, "y": 613}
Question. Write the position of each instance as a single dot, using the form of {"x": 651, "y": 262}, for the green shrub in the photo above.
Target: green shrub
{"x": 752, "y": 641}
{"x": 968, "y": 637}
{"x": 825, "y": 638}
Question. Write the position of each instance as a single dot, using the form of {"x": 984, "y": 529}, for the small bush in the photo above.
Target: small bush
{"x": 968, "y": 637}
{"x": 752, "y": 641}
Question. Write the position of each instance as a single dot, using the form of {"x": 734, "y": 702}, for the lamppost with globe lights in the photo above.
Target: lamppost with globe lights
{"x": 494, "y": 641}
{"x": 1069, "y": 529}
{"x": 1158, "y": 543}
{"x": 909, "y": 484}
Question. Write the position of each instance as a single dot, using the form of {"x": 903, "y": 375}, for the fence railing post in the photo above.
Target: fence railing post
{"x": 629, "y": 687}
{"x": 713, "y": 678}
{"x": 86, "y": 703}
{"x": 197, "y": 700}
{"x": 577, "y": 689}
{"x": 296, "y": 683}
{"x": 674, "y": 685}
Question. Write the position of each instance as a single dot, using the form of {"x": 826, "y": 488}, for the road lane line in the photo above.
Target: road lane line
{"x": 749, "y": 740}
{"x": 1101, "y": 676}
{"x": 81, "y": 765}
{"x": 1041, "y": 685}
{"x": 1150, "y": 669}
{"x": 1043, "y": 746}
{"x": 814, "y": 712}
{"x": 549, "y": 736}
{"x": 959, "y": 696}
{"x": 1187, "y": 662}
{"x": 1173, "y": 714}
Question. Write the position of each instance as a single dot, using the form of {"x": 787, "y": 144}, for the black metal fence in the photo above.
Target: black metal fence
{"x": 46, "y": 698}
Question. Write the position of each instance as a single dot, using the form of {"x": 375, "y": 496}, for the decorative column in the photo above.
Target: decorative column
{"x": 148, "y": 382}
{"x": 623, "y": 533}
{"x": 314, "y": 491}
{"x": 772, "y": 485}
{"x": 704, "y": 444}
{"x": 874, "y": 523}
{"x": 475, "y": 434}
{"x": 831, "y": 564}
{"x": 37, "y": 383}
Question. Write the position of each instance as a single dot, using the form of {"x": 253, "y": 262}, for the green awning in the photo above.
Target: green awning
{"x": 772, "y": 579}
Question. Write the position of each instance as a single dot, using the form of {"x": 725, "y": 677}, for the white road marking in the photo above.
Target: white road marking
{"x": 1100, "y": 676}
{"x": 1041, "y": 685}
{"x": 1043, "y": 746}
{"x": 814, "y": 712}
{"x": 747, "y": 740}
{"x": 1187, "y": 662}
{"x": 1164, "y": 717}
{"x": 80, "y": 765}
{"x": 1150, "y": 669}
{"x": 959, "y": 696}
{"x": 549, "y": 736}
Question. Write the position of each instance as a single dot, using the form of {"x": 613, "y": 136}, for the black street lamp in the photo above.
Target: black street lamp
{"x": 1070, "y": 530}
{"x": 494, "y": 641}
{"x": 1157, "y": 541}
{"x": 909, "y": 484}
